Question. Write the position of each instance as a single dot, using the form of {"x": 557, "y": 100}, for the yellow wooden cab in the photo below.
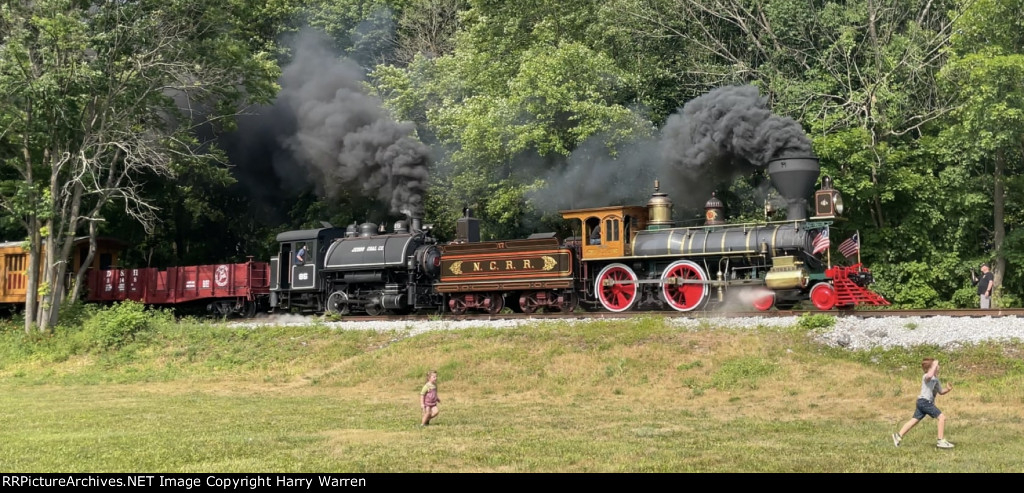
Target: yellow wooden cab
{"x": 14, "y": 264}
{"x": 608, "y": 231}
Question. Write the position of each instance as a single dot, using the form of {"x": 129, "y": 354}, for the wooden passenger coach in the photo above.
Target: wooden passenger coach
{"x": 14, "y": 264}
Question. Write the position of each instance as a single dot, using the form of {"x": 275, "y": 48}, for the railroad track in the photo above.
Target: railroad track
{"x": 585, "y": 315}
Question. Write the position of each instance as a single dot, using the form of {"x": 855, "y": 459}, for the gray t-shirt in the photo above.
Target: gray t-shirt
{"x": 929, "y": 388}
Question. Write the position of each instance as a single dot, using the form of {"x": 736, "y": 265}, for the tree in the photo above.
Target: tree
{"x": 523, "y": 87}
{"x": 97, "y": 97}
{"x": 988, "y": 127}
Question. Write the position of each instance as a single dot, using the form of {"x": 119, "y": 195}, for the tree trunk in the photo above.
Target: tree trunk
{"x": 48, "y": 267}
{"x": 66, "y": 243}
{"x": 32, "y": 274}
{"x": 35, "y": 240}
{"x": 76, "y": 288}
{"x": 999, "y": 228}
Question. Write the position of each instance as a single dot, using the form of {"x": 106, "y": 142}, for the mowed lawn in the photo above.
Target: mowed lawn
{"x": 641, "y": 395}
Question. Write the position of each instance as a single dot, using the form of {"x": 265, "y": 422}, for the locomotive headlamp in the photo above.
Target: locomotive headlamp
{"x": 828, "y": 202}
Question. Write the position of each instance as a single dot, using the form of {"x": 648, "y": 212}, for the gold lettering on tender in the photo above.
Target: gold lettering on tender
{"x": 526, "y": 264}
{"x": 476, "y": 266}
{"x": 493, "y": 265}
{"x": 508, "y": 265}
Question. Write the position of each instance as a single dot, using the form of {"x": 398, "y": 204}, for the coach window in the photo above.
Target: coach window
{"x": 593, "y": 229}
{"x": 612, "y": 228}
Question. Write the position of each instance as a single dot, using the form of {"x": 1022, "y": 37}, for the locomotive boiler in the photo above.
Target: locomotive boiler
{"x": 358, "y": 269}
{"x": 377, "y": 272}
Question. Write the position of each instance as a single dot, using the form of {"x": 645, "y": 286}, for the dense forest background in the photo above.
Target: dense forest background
{"x": 198, "y": 132}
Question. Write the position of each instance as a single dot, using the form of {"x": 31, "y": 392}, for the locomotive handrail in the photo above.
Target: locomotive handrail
{"x": 716, "y": 227}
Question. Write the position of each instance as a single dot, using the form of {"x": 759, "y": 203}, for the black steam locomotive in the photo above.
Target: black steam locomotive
{"x": 625, "y": 258}
{"x": 357, "y": 269}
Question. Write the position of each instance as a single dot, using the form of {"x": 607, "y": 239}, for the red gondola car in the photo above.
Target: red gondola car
{"x": 224, "y": 288}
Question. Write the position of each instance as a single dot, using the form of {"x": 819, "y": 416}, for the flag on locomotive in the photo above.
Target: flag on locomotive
{"x": 851, "y": 246}
{"x": 821, "y": 242}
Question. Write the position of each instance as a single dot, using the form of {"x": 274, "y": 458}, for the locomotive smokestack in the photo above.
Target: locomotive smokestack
{"x": 794, "y": 178}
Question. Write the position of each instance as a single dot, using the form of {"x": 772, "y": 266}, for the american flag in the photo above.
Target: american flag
{"x": 850, "y": 247}
{"x": 821, "y": 242}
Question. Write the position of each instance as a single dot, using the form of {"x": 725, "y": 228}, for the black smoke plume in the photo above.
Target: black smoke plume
{"x": 713, "y": 139}
{"x": 344, "y": 137}
{"x": 324, "y": 133}
{"x": 726, "y": 133}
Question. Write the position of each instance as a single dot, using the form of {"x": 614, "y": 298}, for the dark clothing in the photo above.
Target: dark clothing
{"x": 983, "y": 282}
{"x": 924, "y": 408}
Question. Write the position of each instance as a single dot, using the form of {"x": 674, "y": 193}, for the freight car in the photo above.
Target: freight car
{"x": 223, "y": 289}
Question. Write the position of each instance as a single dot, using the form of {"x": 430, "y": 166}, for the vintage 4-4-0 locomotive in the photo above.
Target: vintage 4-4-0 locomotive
{"x": 626, "y": 258}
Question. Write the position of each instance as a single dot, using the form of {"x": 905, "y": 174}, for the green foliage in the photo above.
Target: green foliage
{"x": 116, "y": 326}
{"x": 510, "y": 111}
{"x": 80, "y": 90}
{"x": 816, "y": 321}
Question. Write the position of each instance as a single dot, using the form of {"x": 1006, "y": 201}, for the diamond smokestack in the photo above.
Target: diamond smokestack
{"x": 794, "y": 178}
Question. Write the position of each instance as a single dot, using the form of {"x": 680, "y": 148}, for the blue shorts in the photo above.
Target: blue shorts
{"x": 926, "y": 407}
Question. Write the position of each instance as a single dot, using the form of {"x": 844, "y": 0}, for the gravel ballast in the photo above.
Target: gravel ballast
{"x": 848, "y": 332}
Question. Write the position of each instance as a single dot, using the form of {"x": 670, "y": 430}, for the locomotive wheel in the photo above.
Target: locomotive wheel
{"x": 823, "y": 295}
{"x": 374, "y": 309}
{"x": 457, "y": 305}
{"x": 497, "y": 303}
{"x": 337, "y": 303}
{"x": 684, "y": 297}
{"x": 764, "y": 302}
{"x": 528, "y": 302}
{"x": 616, "y": 297}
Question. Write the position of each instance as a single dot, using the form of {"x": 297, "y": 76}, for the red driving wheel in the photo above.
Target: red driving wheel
{"x": 616, "y": 297}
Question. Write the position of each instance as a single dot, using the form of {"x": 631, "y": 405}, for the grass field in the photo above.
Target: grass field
{"x": 640, "y": 395}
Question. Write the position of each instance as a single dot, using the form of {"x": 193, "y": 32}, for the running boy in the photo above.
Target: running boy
{"x": 930, "y": 387}
{"x": 429, "y": 399}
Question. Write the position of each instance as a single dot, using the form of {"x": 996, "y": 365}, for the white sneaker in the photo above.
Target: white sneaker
{"x": 896, "y": 439}
{"x": 944, "y": 444}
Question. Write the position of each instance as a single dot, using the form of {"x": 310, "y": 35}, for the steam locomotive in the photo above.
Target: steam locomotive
{"x": 626, "y": 258}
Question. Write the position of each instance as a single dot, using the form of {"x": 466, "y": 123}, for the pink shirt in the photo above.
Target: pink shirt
{"x": 430, "y": 391}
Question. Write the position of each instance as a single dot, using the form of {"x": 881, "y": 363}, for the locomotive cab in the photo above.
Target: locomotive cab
{"x": 296, "y": 281}
{"x": 608, "y": 232}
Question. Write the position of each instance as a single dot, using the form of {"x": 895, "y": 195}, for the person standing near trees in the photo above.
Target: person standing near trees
{"x": 985, "y": 285}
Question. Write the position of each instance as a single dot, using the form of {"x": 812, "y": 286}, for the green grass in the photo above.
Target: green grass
{"x": 615, "y": 396}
